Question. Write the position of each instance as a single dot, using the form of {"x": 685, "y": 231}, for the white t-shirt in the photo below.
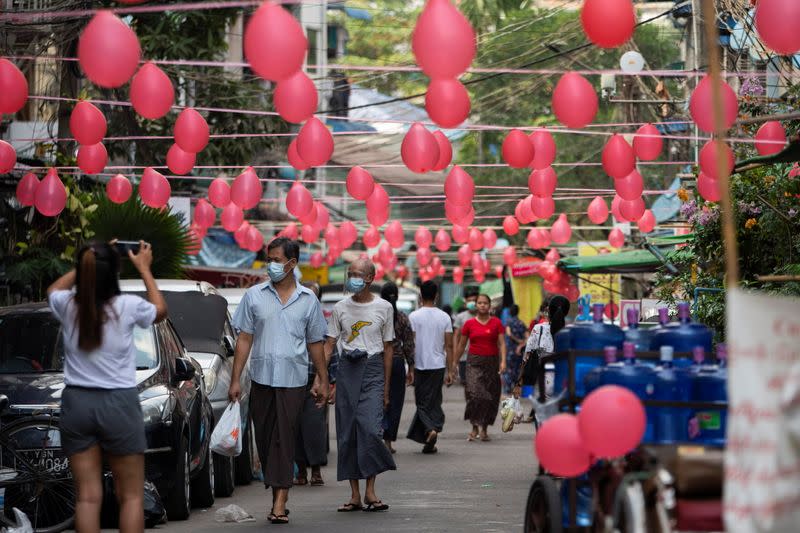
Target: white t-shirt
{"x": 430, "y": 325}
{"x": 540, "y": 337}
{"x": 362, "y": 326}
{"x": 113, "y": 364}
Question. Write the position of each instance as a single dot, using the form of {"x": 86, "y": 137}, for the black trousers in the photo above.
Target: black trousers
{"x": 428, "y": 396}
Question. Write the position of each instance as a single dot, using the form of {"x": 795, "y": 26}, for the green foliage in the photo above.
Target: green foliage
{"x": 133, "y": 221}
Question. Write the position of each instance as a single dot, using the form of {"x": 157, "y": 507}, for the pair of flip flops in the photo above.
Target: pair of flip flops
{"x": 370, "y": 507}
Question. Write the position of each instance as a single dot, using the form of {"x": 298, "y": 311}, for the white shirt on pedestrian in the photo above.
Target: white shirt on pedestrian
{"x": 430, "y": 325}
{"x": 362, "y": 326}
{"x": 540, "y": 337}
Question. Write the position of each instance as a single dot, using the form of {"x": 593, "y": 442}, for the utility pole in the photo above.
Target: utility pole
{"x": 698, "y": 52}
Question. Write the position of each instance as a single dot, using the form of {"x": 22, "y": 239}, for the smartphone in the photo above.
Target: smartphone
{"x": 124, "y": 246}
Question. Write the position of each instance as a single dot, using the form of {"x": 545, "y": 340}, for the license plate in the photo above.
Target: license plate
{"x": 50, "y": 459}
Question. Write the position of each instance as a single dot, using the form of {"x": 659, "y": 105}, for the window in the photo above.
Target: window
{"x": 313, "y": 44}
{"x": 31, "y": 342}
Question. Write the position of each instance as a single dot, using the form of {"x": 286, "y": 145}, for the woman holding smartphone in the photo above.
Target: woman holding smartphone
{"x": 101, "y": 417}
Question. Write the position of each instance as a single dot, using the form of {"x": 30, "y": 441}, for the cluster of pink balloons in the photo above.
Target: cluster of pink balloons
{"x": 610, "y": 424}
{"x": 423, "y": 151}
{"x": 88, "y": 126}
{"x": 444, "y": 46}
{"x": 48, "y": 196}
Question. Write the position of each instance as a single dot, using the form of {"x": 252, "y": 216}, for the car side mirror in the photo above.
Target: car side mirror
{"x": 229, "y": 344}
{"x": 184, "y": 369}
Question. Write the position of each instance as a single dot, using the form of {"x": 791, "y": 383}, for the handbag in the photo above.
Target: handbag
{"x": 530, "y": 369}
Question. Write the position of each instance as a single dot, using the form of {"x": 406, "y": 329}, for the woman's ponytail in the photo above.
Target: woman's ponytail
{"x": 90, "y": 324}
{"x": 557, "y": 313}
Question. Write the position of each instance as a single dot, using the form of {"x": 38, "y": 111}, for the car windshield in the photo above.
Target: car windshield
{"x": 32, "y": 343}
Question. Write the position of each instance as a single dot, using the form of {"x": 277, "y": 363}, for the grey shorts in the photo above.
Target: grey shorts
{"x": 111, "y": 418}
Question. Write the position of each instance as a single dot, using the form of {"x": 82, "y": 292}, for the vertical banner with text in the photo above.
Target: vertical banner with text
{"x": 602, "y": 288}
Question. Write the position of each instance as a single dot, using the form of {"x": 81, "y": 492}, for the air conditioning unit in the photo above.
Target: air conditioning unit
{"x": 608, "y": 85}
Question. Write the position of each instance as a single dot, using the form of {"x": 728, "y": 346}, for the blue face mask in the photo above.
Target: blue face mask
{"x": 276, "y": 272}
{"x": 354, "y": 285}
{"x": 471, "y": 306}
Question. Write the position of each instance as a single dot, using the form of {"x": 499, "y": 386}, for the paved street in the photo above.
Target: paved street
{"x": 467, "y": 486}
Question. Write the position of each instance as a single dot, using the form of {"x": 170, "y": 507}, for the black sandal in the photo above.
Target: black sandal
{"x": 430, "y": 443}
{"x": 373, "y": 507}
{"x": 349, "y": 507}
{"x": 272, "y": 514}
{"x": 279, "y": 519}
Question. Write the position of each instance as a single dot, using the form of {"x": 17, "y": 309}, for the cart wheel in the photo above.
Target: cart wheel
{"x": 629, "y": 509}
{"x": 543, "y": 511}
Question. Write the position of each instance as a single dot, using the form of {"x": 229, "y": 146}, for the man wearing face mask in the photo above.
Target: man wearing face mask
{"x": 281, "y": 324}
{"x": 470, "y": 297}
{"x": 363, "y": 327}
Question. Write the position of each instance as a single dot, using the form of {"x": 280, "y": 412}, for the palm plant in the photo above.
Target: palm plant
{"x": 133, "y": 221}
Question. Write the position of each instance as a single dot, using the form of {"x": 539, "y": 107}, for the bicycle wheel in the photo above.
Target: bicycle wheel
{"x": 35, "y": 475}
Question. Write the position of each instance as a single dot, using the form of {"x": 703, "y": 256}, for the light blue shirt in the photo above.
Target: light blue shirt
{"x": 281, "y": 333}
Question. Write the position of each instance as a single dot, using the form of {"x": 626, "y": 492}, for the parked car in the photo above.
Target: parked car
{"x": 233, "y": 296}
{"x": 177, "y": 412}
{"x": 201, "y": 318}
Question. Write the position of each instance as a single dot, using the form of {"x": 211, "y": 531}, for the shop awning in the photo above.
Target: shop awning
{"x": 619, "y": 263}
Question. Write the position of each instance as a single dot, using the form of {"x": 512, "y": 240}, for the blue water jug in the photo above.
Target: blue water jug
{"x": 683, "y": 335}
{"x": 639, "y": 337}
{"x": 637, "y": 377}
{"x": 710, "y": 384}
{"x": 593, "y": 379}
{"x": 583, "y": 503}
{"x": 672, "y": 385}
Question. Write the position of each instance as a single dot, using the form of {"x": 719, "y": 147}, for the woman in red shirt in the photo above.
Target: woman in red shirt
{"x": 486, "y": 361}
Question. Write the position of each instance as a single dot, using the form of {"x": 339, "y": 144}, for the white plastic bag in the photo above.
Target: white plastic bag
{"x": 23, "y": 524}
{"x": 510, "y": 412}
{"x": 233, "y": 513}
{"x": 227, "y": 436}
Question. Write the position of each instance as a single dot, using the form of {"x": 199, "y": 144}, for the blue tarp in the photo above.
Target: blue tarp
{"x": 220, "y": 250}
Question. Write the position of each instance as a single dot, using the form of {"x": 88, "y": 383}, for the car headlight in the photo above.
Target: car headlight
{"x": 153, "y": 409}
{"x": 210, "y": 379}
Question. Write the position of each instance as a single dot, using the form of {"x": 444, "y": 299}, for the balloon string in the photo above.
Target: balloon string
{"x": 471, "y": 127}
{"x": 366, "y": 165}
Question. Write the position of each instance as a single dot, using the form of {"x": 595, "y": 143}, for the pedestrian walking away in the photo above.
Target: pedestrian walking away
{"x": 101, "y": 417}
{"x": 363, "y": 327}
{"x": 281, "y": 326}
{"x": 435, "y": 365}
{"x": 470, "y": 297}
{"x": 516, "y": 336}
{"x": 485, "y": 364}
{"x": 402, "y": 356}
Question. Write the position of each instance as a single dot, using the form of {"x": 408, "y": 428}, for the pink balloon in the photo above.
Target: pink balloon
{"x": 616, "y": 238}
{"x": 543, "y": 182}
{"x": 13, "y": 88}
{"x": 92, "y": 158}
{"x": 195, "y": 242}
{"x": 108, "y": 50}
{"x": 348, "y": 234}
{"x": 423, "y": 237}
{"x": 709, "y": 162}
{"x": 443, "y": 41}
{"x": 544, "y": 237}
{"x": 498, "y": 271}
{"x": 647, "y": 143}
{"x": 510, "y": 255}
{"x": 379, "y": 272}
{"x": 240, "y": 234}
{"x": 647, "y": 223}
{"x": 776, "y": 22}
{"x": 457, "y": 213}
{"x": 608, "y": 23}
{"x": 274, "y": 42}
{"x": 632, "y": 210}
{"x": 419, "y": 149}
{"x": 476, "y": 262}
{"x": 424, "y": 256}
{"x": 295, "y": 98}
{"x": 231, "y": 217}
{"x": 154, "y": 189}
{"x": 517, "y": 149}
{"x": 618, "y": 157}
{"x": 543, "y": 207}
{"x": 459, "y": 188}
{"x": 573, "y": 293}
{"x": 378, "y": 206}
{"x": 254, "y": 240}
{"x": 204, "y": 214}
{"x": 436, "y": 263}
{"x": 442, "y": 241}
{"x": 51, "y": 196}
{"x": 510, "y": 225}
{"x": 552, "y": 256}
{"x": 316, "y": 259}
{"x": 598, "y": 210}
{"x": 371, "y": 237}
{"x": 475, "y": 239}
{"x": 460, "y": 234}
{"x": 294, "y": 158}
{"x": 458, "y": 275}
{"x": 246, "y": 190}
{"x": 290, "y": 231}
{"x": 559, "y": 447}
{"x": 708, "y": 188}
{"x": 575, "y": 101}
{"x": 87, "y": 123}
{"x": 612, "y": 421}
{"x": 152, "y": 93}
{"x": 445, "y": 151}
{"x": 394, "y": 234}
{"x": 533, "y": 239}
{"x": 309, "y": 234}
{"x": 314, "y": 143}
{"x": 701, "y": 106}
{"x": 26, "y": 189}
{"x": 523, "y": 214}
{"x": 323, "y": 218}
{"x": 119, "y": 189}
{"x": 299, "y": 201}
{"x": 359, "y": 183}
{"x": 615, "y": 209}
{"x": 179, "y": 161}
{"x": 191, "y": 131}
{"x": 447, "y": 102}
{"x": 8, "y": 157}
{"x": 331, "y": 235}
{"x": 464, "y": 255}
{"x": 549, "y": 271}
{"x": 385, "y": 252}
{"x": 770, "y": 138}
{"x": 630, "y": 187}
{"x": 561, "y": 230}
{"x": 219, "y": 193}
{"x": 544, "y": 149}
{"x": 489, "y": 238}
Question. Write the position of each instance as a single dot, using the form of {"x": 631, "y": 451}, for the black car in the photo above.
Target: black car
{"x": 177, "y": 413}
